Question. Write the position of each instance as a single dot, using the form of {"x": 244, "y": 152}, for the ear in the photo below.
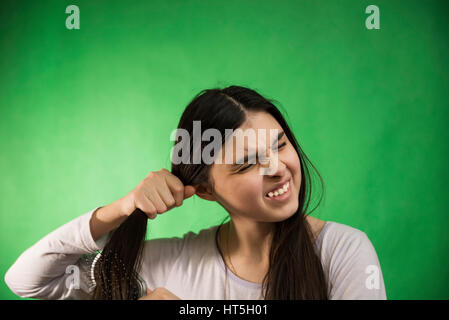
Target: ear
{"x": 204, "y": 192}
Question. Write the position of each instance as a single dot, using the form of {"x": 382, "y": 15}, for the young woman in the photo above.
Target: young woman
{"x": 269, "y": 249}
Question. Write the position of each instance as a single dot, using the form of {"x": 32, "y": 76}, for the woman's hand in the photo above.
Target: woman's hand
{"x": 159, "y": 192}
{"x": 159, "y": 294}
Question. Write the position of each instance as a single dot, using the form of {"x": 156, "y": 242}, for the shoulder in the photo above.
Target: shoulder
{"x": 342, "y": 246}
{"x": 338, "y": 239}
{"x": 351, "y": 263}
{"x": 341, "y": 233}
{"x": 346, "y": 249}
{"x": 316, "y": 226}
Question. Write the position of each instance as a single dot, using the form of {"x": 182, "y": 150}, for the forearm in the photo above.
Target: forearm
{"x": 41, "y": 270}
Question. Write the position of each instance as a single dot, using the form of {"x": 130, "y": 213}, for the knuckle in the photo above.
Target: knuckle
{"x": 145, "y": 207}
{"x": 139, "y": 186}
{"x": 171, "y": 202}
{"x": 151, "y": 174}
{"x": 178, "y": 187}
{"x": 151, "y": 213}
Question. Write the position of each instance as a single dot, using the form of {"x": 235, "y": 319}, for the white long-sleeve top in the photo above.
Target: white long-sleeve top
{"x": 59, "y": 265}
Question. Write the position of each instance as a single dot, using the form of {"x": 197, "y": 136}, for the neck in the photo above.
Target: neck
{"x": 248, "y": 241}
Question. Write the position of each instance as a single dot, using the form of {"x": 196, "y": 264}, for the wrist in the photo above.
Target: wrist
{"x": 124, "y": 206}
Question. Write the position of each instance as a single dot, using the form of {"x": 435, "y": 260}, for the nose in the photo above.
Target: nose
{"x": 273, "y": 166}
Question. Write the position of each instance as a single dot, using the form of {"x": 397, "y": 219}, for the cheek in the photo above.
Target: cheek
{"x": 294, "y": 165}
{"x": 296, "y": 171}
{"x": 245, "y": 192}
{"x": 249, "y": 188}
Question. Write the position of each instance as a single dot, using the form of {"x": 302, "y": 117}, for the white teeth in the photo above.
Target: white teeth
{"x": 279, "y": 191}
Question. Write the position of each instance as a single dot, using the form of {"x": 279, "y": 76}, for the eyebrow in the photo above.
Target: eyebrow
{"x": 246, "y": 158}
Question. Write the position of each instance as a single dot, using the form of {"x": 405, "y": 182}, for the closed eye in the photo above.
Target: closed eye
{"x": 244, "y": 168}
{"x": 282, "y": 145}
{"x": 251, "y": 164}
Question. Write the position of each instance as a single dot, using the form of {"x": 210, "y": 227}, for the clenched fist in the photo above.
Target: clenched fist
{"x": 159, "y": 192}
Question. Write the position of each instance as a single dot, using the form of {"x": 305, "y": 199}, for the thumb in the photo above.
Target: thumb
{"x": 189, "y": 191}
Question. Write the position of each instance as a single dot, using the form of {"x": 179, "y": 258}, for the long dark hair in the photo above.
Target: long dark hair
{"x": 295, "y": 271}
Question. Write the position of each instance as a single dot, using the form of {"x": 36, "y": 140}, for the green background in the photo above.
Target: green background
{"x": 86, "y": 114}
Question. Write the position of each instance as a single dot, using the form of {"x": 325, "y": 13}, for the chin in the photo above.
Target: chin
{"x": 292, "y": 212}
{"x": 284, "y": 216}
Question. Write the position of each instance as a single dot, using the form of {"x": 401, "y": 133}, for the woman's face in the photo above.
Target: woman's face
{"x": 243, "y": 192}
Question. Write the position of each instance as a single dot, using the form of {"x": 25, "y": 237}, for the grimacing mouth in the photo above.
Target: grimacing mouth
{"x": 279, "y": 186}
